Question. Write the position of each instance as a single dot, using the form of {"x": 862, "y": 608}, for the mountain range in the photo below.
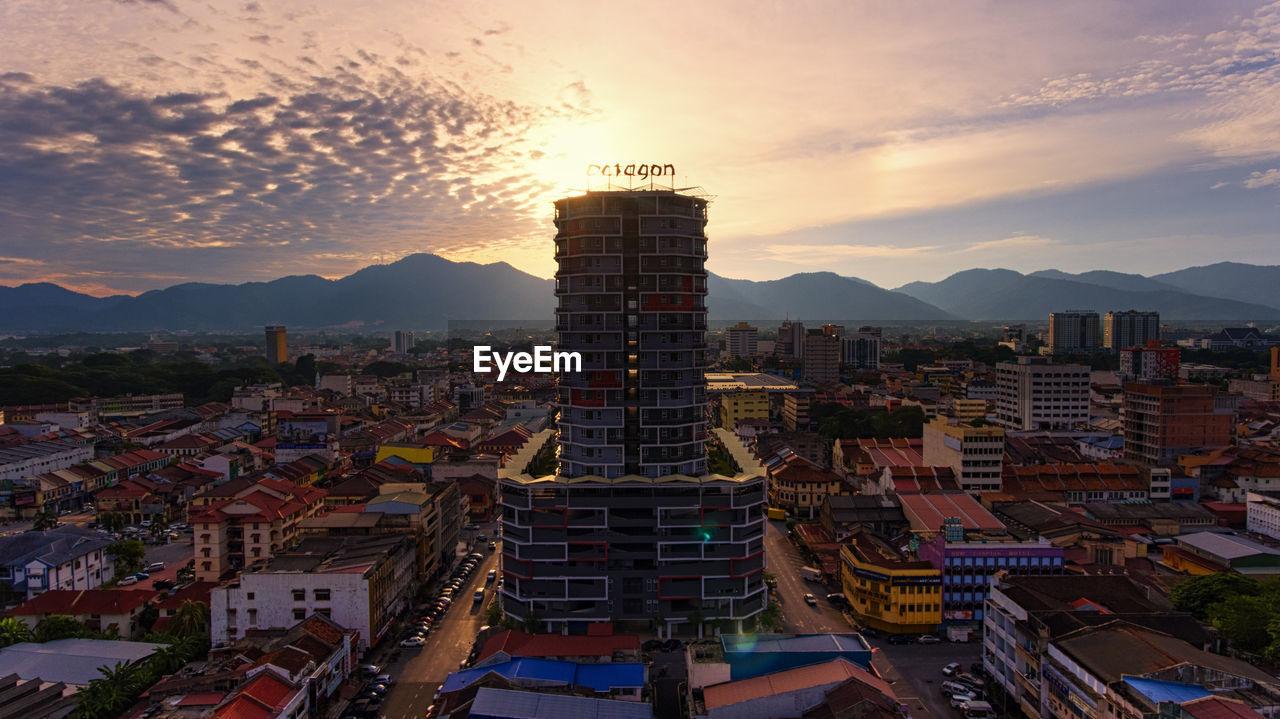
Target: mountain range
{"x": 426, "y": 291}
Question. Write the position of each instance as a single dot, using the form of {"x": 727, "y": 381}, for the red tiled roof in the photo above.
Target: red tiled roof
{"x": 925, "y": 512}
{"x": 85, "y": 601}
{"x": 1219, "y": 708}
{"x": 922, "y": 479}
{"x": 1040, "y": 479}
{"x": 517, "y": 643}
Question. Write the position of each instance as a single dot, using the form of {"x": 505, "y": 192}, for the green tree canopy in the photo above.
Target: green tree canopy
{"x": 1198, "y": 594}
{"x": 129, "y": 555}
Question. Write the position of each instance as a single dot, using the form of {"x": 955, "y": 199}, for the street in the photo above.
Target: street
{"x": 420, "y": 671}
{"x": 784, "y": 561}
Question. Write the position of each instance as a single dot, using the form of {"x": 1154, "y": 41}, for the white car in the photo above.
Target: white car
{"x": 413, "y": 642}
{"x": 928, "y": 639}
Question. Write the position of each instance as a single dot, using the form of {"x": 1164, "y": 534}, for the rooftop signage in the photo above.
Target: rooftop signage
{"x": 642, "y": 171}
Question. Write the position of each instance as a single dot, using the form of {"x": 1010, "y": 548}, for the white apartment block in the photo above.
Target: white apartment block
{"x": 1035, "y": 394}
{"x": 741, "y": 340}
{"x": 362, "y": 583}
{"x": 1263, "y": 513}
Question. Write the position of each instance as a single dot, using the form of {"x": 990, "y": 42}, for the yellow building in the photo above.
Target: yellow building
{"x": 412, "y": 453}
{"x": 798, "y": 485}
{"x": 968, "y": 409}
{"x": 743, "y": 404}
{"x": 887, "y": 591}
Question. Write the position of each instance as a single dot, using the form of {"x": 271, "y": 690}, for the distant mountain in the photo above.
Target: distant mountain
{"x": 427, "y": 292}
{"x": 813, "y": 296}
{"x": 1005, "y": 294}
{"x": 1232, "y": 280}
{"x": 1114, "y": 280}
{"x": 418, "y": 291}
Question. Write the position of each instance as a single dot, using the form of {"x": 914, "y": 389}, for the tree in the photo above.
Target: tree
{"x": 1242, "y": 620}
{"x": 191, "y": 619}
{"x": 128, "y": 555}
{"x": 493, "y": 613}
{"x": 13, "y": 631}
{"x": 48, "y": 519}
{"x": 532, "y": 623}
{"x": 1199, "y": 594}
{"x": 59, "y": 626}
{"x": 112, "y": 521}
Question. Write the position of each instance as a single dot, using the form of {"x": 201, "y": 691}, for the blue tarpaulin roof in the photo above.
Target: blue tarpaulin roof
{"x": 599, "y": 677}
{"x": 1159, "y": 691}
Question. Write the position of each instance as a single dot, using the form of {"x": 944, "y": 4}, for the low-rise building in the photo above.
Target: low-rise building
{"x": 739, "y": 405}
{"x": 66, "y": 557}
{"x": 975, "y": 454}
{"x": 887, "y": 590}
{"x": 360, "y": 583}
{"x": 1263, "y": 513}
{"x": 1210, "y": 552}
{"x": 801, "y": 486}
{"x": 116, "y": 611}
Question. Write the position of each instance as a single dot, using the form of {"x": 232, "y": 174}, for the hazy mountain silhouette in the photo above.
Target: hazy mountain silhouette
{"x": 1005, "y": 294}
{"x": 426, "y": 292}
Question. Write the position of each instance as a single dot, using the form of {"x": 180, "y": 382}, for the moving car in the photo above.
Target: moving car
{"x": 811, "y": 600}
{"x": 492, "y": 546}
{"x": 478, "y": 596}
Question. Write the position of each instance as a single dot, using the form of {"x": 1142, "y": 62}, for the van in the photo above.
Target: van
{"x": 155, "y": 567}
{"x": 976, "y": 710}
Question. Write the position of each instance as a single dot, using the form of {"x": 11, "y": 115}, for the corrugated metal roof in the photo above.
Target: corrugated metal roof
{"x": 507, "y": 704}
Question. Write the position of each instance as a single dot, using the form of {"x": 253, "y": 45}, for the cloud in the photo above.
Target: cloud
{"x": 302, "y": 177}
{"x": 1011, "y": 242}
{"x": 807, "y": 254}
{"x": 1269, "y": 178}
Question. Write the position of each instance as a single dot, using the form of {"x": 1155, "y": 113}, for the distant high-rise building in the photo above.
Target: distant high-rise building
{"x": 790, "y": 340}
{"x": 833, "y": 330}
{"x": 1074, "y": 331}
{"x": 862, "y": 348}
{"x": 401, "y": 342}
{"x": 601, "y": 541}
{"x": 741, "y": 340}
{"x": 277, "y": 344}
{"x": 1015, "y": 333}
{"x": 1129, "y": 329}
{"x": 821, "y": 357}
{"x": 1164, "y": 420}
{"x": 1033, "y": 393}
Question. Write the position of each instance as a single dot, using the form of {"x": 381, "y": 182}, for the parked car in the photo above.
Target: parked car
{"x": 811, "y": 600}
{"x": 155, "y": 567}
{"x": 473, "y": 526}
{"x": 127, "y": 581}
{"x": 900, "y": 639}
{"x": 971, "y": 680}
{"x": 371, "y": 669}
{"x": 951, "y": 669}
{"x": 162, "y": 584}
{"x": 837, "y": 599}
{"x": 478, "y": 596}
{"x": 959, "y": 700}
{"x": 492, "y": 546}
{"x": 141, "y": 576}
{"x": 412, "y": 642}
{"x": 382, "y": 679}
{"x": 951, "y": 688}
{"x": 928, "y": 639}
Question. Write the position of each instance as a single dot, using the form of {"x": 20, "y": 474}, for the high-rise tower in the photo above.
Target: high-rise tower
{"x": 277, "y": 344}
{"x": 633, "y": 528}
{"x": 631, "y": 287}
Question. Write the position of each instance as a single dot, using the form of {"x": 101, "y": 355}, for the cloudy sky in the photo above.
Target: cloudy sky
{"x": 149, "y": 142}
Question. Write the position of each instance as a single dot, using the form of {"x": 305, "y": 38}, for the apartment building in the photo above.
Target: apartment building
{"x": 1035, "y": 394}
{"x": 741, "y": 340}
{"x": 821, "y": 357}
{"x": 969, "y": 564}
{"x": 361, "y": 583}
{"x": 738, "y": 405}
{"x": 975, "y": 454}
{"x": 1151, "y": 362}
{"x": 1074, "y": 331}
{"x": 245, "y": 522}
{"x": 1132, "y": 328}
{"x": 790, "y": 340}
{"x": 795, "y": 410}
{"x": 277, "y": 343}
{"x": 862, "y": 349}
{"x": 1163, "y": 420}
{"x": 1262, "y": 513}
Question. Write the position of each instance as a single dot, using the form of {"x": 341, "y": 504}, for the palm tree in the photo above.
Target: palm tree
{"x": 48, "y": 519}
{"x": 192, "y": 618}
{"x": 167, "y": 659}
{"x": 110, "y": 695}
{"x": 13, "y": 631}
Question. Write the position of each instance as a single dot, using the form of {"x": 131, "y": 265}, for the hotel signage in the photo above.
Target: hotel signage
{"x": 642, "y": 171}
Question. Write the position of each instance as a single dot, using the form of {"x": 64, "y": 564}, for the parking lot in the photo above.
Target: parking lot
{"x": 918, "y": 670}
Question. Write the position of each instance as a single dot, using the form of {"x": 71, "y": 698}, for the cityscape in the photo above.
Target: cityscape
{"x": 343, "y": 377}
